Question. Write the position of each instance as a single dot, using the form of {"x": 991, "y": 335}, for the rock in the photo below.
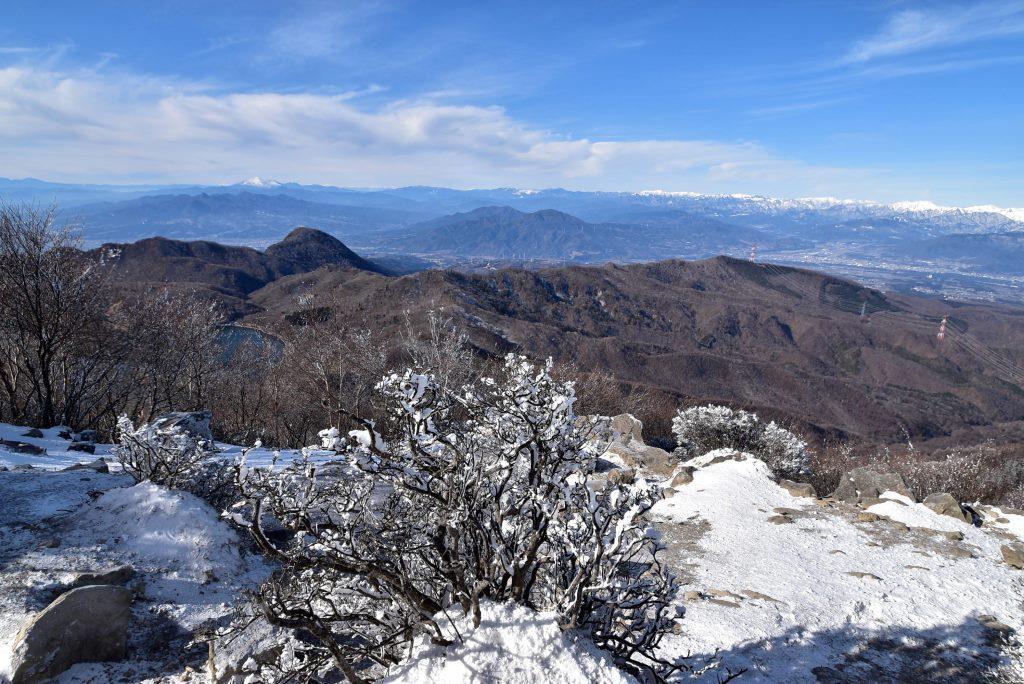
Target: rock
{"x": 799, "y": 488}
{"x": 193, "y": 422}
{"x": 64, "y": 432}
{"x": 692, "y": 596}
{"x": 721, "y": 593}
{"x": 684, "y": 475}
{"x": 864, "y": 482}
{"x": 952, "y": 535}
{"x": 1001, "y": 631}
{"x": 87, "y": 436}
{"x": 628, "y": 445}
{"x": 622, "y": 476}
{"x": 944, "y": 504}
{"x": 115, "y": 577}
{"x": 864, "y": 575}
{"x": 867, "y": 516}
{"x": 88, "y": 624}
{"x": 628, "y": 427}
{"x": 99, "y": 465}
{"x": 723, "y": 602}
{"x": 780, "y": 519}
{"x": 34, "y": 433}
{"x": 756, "y": 595}
{"x": 782, "y": 510}
{"x": 1013, "y": 555}
{"x": 22, "y": 447}
{"x": 86, "y": 447}
{"x": 637, "y": 454}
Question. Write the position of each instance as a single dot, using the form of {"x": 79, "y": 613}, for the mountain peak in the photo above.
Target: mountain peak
{"x": 257, "y": 182}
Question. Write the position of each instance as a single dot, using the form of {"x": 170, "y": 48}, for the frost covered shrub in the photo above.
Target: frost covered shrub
{"x": 177, "y": 458}
{"x": 457, "y": 496}
{"x": 701, "y": 429}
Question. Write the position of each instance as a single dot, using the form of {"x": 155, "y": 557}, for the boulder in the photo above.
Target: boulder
{"x": 682, "y": 476}
{"x": 34, "y": 433}
{"x": 87, "y": 624}
{"x": 799, "y": 488}
{"x": 628, "y": 445}
{"x": 22, "y": 447}
{"x": 944, "y": 504}
{"x": 861, "y": 483}
{"x": 193, "y": 422}
{"x": 87, "y": 436}
{"x": 99, "y": 466}
{"x": 628, "y": 427}
{"x": 1013, "y": 555}
{"x": 85, "y": 447}
{"x": 115, "y": 577}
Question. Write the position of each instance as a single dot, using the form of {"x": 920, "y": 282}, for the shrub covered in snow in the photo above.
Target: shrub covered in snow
{"x": 175, "y": 457}
{"x": 701, "y": 429}
{"x": 461, "y": 495}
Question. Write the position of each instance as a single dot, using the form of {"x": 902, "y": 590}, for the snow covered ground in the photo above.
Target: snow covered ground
{"x": 512, "y": 644}
{"x": 788, "y": 589}
{"x": 781, "y": 585}
{"x": 187, "y": 567}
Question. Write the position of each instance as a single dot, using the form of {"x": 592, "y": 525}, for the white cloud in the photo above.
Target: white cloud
{"x": 913, "y": 31}
{"x": 100, "y": 125}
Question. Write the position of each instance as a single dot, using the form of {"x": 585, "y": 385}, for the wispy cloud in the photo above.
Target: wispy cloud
{"x": 324, "y": 31}
{"x": 917, "y": 30}
{"x": 110, "y": 125}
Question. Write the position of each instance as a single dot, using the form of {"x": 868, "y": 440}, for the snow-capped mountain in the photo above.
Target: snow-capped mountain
{"x": 257, "y": 182}
{"x": 978, "y": 218}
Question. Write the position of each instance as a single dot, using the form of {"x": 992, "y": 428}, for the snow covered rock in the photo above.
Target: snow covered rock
{"x": 512, "y": 644}
{"x": 88, "y": 624}
{"x": 195, "y": 423}
{"x": 865, "y": 483}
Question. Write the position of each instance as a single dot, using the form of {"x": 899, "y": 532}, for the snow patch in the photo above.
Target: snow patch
{"x": 512, "y": 644}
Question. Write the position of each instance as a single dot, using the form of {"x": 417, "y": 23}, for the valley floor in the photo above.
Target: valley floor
{"x": 777, "y": 587}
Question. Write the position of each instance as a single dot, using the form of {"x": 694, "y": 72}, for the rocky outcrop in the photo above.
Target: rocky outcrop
{"x": 864, "y": 483}
{"x": 87, "y": 624}
{"x": 628, "y": 445}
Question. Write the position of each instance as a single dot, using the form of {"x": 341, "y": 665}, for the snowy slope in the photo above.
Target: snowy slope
{"x": 782, "y": 599}
{"x": 789, "y": 589}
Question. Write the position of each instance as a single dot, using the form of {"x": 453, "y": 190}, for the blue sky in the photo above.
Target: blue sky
{"x": 879, "y": 100}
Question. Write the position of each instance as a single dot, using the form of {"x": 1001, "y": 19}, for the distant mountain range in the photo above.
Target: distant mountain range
{"x": 240, "y": 217}
{"x": 909, "y": 245}
{"x": 723, "y": 329}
